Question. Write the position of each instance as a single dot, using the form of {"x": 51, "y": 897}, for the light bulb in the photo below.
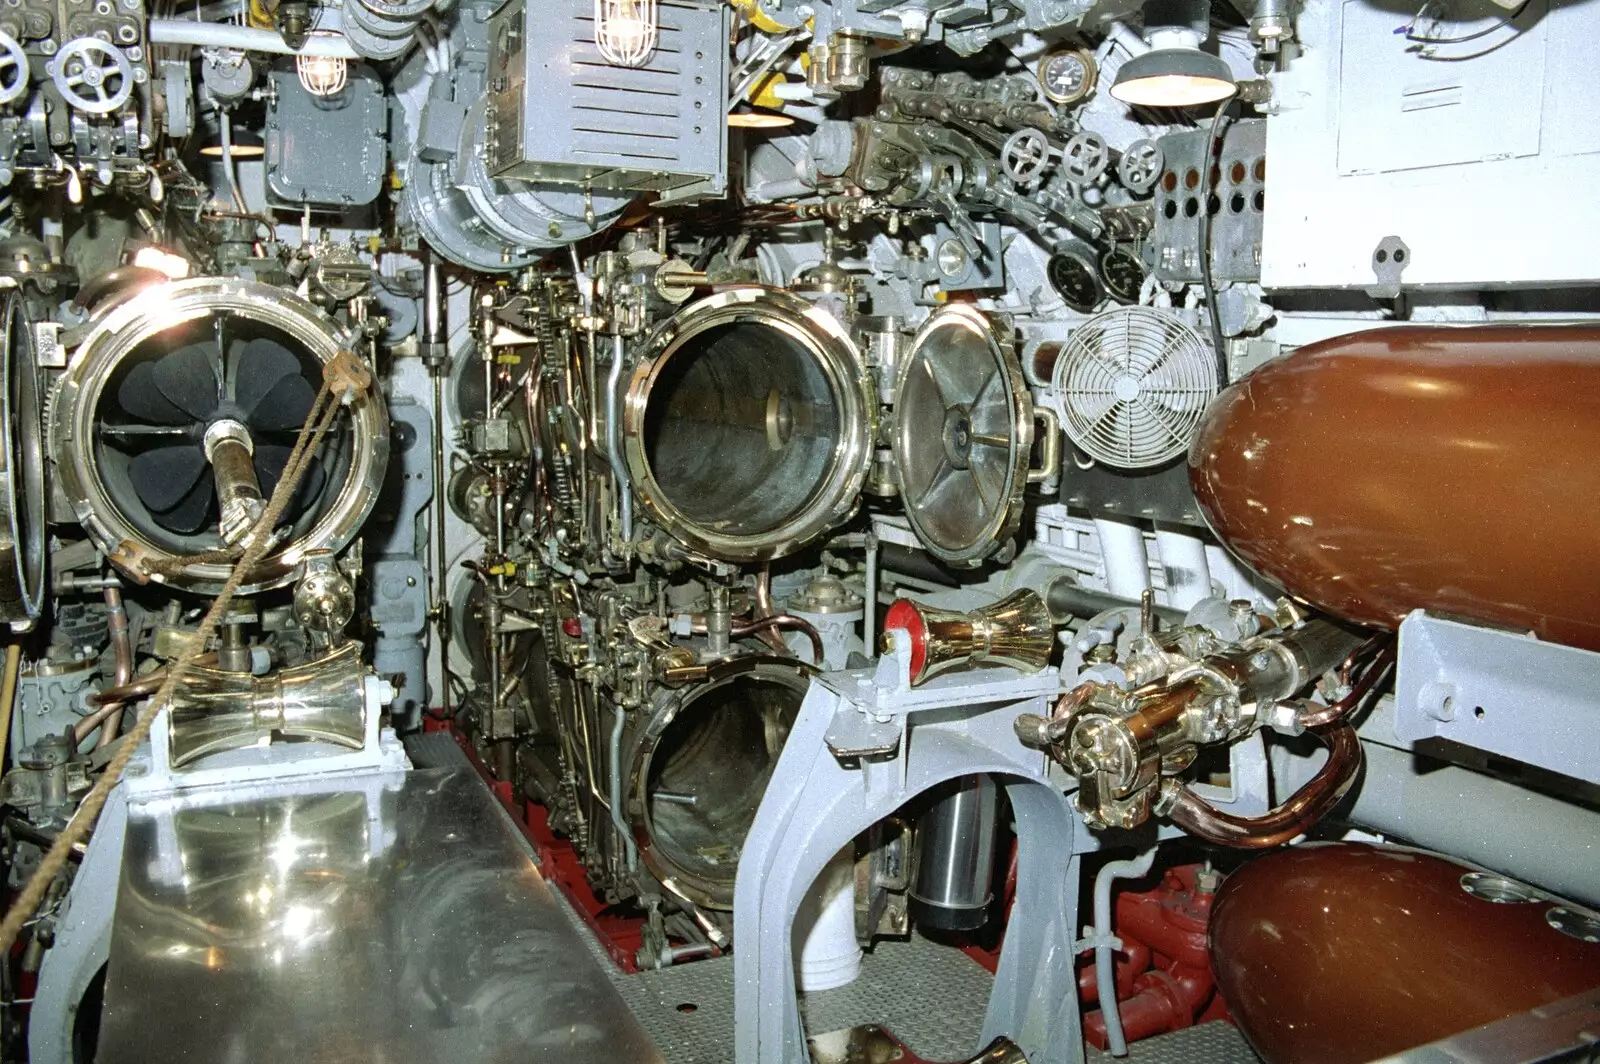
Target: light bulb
{"x": 322, "y": 75}
{"x": 625, "y": 31}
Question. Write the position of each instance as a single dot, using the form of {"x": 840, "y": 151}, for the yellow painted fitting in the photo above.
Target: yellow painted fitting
{"x": 766, "y": 95}
{"x": 751, "y": 9}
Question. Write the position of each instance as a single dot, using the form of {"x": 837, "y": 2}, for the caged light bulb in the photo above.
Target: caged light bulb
{"x": 625, "y": 31}
{"x": 322, "y": 75}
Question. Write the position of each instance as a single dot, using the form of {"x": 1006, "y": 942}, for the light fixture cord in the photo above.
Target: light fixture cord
{"x": 1213, "y": 139}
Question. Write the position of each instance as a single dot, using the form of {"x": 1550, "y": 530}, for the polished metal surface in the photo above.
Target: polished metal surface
{"x": 965, "y": 425}
{"x": 955, "y": 856}
{"x": 147, "y": 325}
{"x": 384, "y": 917}
{"x": 745, "y": 425}
{"x": 1439, "y": 468}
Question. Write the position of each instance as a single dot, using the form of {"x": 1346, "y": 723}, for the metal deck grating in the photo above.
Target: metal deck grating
{"x": 931, "y": 996}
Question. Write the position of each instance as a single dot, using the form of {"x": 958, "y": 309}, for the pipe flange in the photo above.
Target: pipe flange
{"x": 127, "y": 328}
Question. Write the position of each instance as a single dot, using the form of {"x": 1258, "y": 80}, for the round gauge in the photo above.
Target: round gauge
{"x": 1067, "y": 77}
{"x": 1123, "y": 274}
{"x": 1072, "y": 275}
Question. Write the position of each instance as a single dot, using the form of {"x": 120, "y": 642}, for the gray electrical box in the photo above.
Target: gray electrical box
{"x": 557, "y": 111}
{"x": 331, "y": 151}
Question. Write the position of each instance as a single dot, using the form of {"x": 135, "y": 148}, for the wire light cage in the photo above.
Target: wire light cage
{"x": 322, "y": 75}
{"x": 626, "y": 31}
{"x": 1131, "y": 386}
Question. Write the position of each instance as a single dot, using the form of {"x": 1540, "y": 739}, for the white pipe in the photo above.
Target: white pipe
{"x": 1131, "y": 41}
{"x": 617, "y": 820}
{"x": 619, "y": 467}
{"x": 1123, "y": 554}
{"x": 1105, "y": 970}
{"x": 227, "y": 35}
{"x": 827, "y": 955}
{"x": 1183, "y": 557}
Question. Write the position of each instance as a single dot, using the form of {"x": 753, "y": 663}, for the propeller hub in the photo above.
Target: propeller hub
{"x": 229, "y": 430}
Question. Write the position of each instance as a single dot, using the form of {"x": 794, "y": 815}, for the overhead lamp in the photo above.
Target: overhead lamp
{"x": 1174, "y": 72}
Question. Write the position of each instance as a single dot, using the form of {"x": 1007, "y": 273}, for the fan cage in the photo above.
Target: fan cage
{"x": 1132, "y": 385}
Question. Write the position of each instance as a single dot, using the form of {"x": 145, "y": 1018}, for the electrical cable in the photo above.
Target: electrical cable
{"x": 1506, "y": 20}
{"x": 1212, "y": 316}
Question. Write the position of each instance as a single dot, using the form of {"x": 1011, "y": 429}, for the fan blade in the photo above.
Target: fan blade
{"x": 270, "y": 460}
{"x": 260, "y": 366}
{"x": 285, "y": 405}
{"x": 193, "y": 512}
{"x": 163, "y": 476}
{"x": 141, "y": 397}
{"x": 188, "y": 381}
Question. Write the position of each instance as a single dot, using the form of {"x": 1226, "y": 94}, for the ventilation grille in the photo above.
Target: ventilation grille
{"x": 1131, "y": 386}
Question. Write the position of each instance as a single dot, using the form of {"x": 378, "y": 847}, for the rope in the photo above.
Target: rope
{"x": 260, "y": 540}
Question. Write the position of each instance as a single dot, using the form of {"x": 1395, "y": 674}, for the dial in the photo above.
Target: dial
{"x": 1067, "y": 77}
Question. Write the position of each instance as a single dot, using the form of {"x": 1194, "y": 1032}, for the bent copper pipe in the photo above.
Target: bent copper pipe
{"x": 1294, "y": 817}
{"x": 1375, "y": 671}
{"x": 763, "y": 608}
{"x": 697, "y": 625}
{"x": 122, "y": 654}
{"x": 774, "y": 621}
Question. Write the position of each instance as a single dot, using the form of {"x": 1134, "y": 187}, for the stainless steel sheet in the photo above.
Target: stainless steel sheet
{"x": 382, "y": 918}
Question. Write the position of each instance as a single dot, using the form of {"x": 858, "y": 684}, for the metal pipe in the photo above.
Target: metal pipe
{"x": 122, "y": 656}
{"x": 1067, "y": 600}
{"x": 764, "y": 609}
{"x": 955, "y": 857}
{"x": 1188, "y": 573}
{"x": 1294, "y": 817}
{"x": 617, "y": 821}
{"x": 225, "y": 128}
{"x": 619, "y": 468}
{"x": 782, "y": 620}
{"x": 227, "y": 35}
{"x": 1105, "y": 970}
{"x": 1498, "y": 824}
{"x": 869, "y": 614}
{"x": 1122, "y": 551}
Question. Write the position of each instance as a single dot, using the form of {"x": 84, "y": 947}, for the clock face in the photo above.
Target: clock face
{"x": 1066, "y": 76}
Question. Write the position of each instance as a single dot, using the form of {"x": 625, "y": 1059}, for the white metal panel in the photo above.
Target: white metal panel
{"x": 1481, "y": 167}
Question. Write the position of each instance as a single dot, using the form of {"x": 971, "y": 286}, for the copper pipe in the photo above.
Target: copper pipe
{"x": 145, "y": 685}
{"x": 1294, "y": 817}
{"x": 697, "y": 626}
{"x": 1376, "y": 670}
{"x": 782, "y": 620}
{"x": 86, "y": 725}
{"x": 122, "y": 654}
{"x": 763, "y": 608}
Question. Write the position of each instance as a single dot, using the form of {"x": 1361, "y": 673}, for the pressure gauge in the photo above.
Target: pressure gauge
{"x": 1067, "y": 77}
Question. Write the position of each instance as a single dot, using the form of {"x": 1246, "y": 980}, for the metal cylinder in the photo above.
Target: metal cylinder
{"x": 1491, "y": 822}
{"x": 955, "y": 857}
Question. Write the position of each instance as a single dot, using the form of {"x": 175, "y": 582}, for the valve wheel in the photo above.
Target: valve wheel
{"x": 13, "y": 69}
{"x": 92, "y": 76}
{"x": 1085, "y": 157}
{"x": 1141, "y": 166}
{"x": 1025, "y": 156}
